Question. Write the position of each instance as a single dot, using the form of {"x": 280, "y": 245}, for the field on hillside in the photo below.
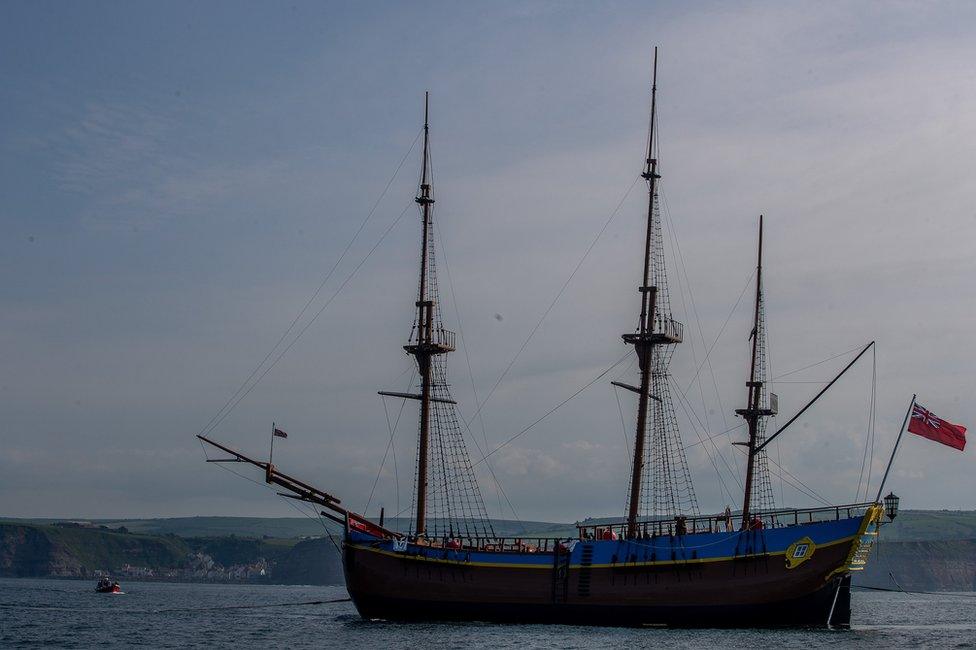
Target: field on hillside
{"x": 910, "y": 525}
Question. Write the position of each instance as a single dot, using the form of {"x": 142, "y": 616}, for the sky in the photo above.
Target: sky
{"x": 177, "y": 180}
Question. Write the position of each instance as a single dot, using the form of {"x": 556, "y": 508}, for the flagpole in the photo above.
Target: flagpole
{"x": 271, "y": 455}
{"x": 895, "y": 450}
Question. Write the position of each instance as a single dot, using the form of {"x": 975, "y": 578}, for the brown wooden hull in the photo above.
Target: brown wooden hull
{"x": 757, "y": 590}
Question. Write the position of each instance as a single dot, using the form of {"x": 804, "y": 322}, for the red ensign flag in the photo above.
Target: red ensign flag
{"x": 924, "y": 423}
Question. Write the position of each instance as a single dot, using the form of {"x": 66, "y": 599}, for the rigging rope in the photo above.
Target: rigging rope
{"x": 716, "y": 435}
{"x": 796, "y": 483}
{"x": 793, "y": 372}
{"x": 868, "y": 442}
{"x": 311, "y": 320}
{"x": 559, "y": 294}
{"x": 623, "y": 424}
{"x": 287, "y": 500}
{"x": 719, "y": 335}
{"x": 703, "y": 441}
{"x": 392, "y": 428}
{"x": 230, "y": 404}
{"x": 672, "y": 230}
{"x": 499, "y": 490}
{"x": 874, "y": 416}
{"x": 555, "y": 408}
{"x": 908, "y": 592}
{"x": 683, "y": 269}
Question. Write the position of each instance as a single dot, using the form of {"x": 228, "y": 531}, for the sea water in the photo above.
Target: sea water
{"x": 69, "y": 614}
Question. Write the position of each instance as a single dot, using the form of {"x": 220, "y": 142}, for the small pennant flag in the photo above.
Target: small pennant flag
{"x": 280, "y": 434}
{"x": 926, "y": 424}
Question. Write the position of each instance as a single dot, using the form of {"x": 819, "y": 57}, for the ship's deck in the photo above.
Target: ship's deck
{"x": 720, "y": 535}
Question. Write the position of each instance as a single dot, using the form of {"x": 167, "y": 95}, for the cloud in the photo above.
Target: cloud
{"x": 521, "y": 461}
{"x": 176, "y": 238}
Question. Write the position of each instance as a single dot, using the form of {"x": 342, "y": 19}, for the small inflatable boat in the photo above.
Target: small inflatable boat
{"x": 105, "y": 586}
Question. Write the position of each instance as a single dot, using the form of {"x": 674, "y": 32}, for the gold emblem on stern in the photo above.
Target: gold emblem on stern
{"x": 799, "y": 552}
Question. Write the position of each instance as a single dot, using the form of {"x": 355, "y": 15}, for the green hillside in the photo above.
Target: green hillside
{"x": 81, "y": 551}
{"x": 286, "y": 527}
{"x": 931, "y": 525}
{"x": 30, "y": 550}
{"x": 910, "y": 525}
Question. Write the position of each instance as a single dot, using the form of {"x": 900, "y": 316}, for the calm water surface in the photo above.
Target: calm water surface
{"x": 69, "y": 614}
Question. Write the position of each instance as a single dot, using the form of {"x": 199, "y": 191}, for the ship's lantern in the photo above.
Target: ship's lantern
{"x": 891, "y": 505}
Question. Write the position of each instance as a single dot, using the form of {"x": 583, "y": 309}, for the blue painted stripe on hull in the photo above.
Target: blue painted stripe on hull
{"x": 702, "y": 547}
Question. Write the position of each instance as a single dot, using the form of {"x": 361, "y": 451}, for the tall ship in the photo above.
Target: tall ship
{"x": 662, "y": 562}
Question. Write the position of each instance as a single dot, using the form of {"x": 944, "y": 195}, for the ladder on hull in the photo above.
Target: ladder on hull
{"x": 560, "y": 574}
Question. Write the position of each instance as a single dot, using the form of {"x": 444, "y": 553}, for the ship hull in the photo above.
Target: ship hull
{"x": 740, "y": 579}
{"x": 811, "y": 610}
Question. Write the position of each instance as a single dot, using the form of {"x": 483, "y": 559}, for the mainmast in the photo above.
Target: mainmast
{"x": 447, "y": 498}
{"x": 755, "y": 410}
{"x": 426, "y": 341}
{"x": 654, "y": 329}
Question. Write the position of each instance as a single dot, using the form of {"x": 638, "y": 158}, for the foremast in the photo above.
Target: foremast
{"x": 446, "y": 490}
{"x": 757, "y": 490}
{"x": 656, "y": 333}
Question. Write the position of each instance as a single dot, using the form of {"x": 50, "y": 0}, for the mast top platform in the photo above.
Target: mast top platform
{"x": 651, "y": 171}
{"x": 663, "y": 332}
{"x": 440, "y": 341}
{"x": 752, "y": 413}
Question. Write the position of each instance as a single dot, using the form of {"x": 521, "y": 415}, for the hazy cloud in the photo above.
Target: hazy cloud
{"x": 172, "y": 196}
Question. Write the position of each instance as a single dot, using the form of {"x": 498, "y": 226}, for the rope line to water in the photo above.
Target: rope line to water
{"x": 174, "y": 609}
{"x": 908, "y": 592}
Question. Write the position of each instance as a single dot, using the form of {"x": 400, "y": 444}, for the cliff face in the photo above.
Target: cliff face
{"x": 27, "y": 550}
{"x": 311, "y": 562}
{"x": 946, "y": 565}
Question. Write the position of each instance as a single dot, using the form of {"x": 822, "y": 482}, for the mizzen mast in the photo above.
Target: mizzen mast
{"x": 655, "y": 329}
{"x": 756, "y": 410}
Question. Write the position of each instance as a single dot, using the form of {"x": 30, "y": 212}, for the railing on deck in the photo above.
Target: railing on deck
{"x": 720, "y": 523}
{"x": 496, "y": 544}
